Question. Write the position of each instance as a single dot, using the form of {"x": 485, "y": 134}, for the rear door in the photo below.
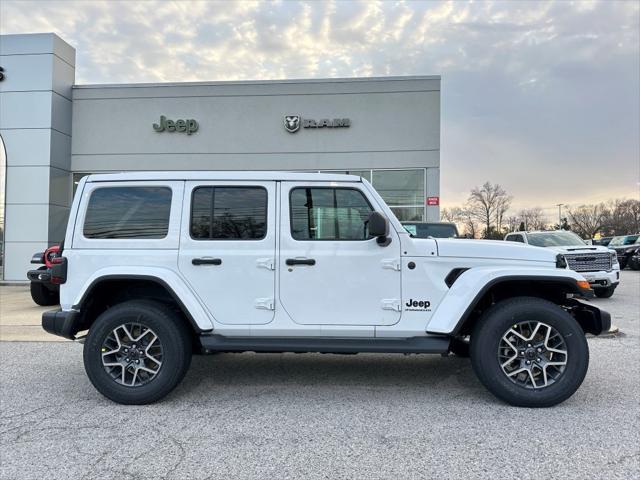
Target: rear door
{"x": 227, "y": 248}
{"x": 331, "y": 271}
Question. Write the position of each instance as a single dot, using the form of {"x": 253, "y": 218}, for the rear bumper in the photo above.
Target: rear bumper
{"x": 63, "y": 323}
{"x": 591, "y": 318}
{"x": 39, "y": 276}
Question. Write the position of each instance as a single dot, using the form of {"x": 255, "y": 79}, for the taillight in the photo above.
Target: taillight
{"x": 50, "y": 253}
{"x": 58, "y": 270}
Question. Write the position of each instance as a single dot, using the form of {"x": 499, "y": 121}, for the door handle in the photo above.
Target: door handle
{"x": 206, "y": 261}
{"x": 300, "y": 261}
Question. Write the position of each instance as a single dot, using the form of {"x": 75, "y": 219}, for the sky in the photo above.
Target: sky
{"x": 541, "y": 97}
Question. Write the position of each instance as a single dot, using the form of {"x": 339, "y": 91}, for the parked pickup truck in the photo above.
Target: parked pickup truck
{"x": 596, "y": 263}
{"x": 158, "y": 265}
{"x": 43, "y": 291}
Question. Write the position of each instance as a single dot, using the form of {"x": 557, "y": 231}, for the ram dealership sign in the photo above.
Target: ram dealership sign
{"x": 292, "y": 123}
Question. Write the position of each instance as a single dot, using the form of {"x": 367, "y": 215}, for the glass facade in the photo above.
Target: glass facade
{"x": 404, "y": 190}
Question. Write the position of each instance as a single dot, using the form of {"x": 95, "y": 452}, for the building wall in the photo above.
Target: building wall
{"x": 394, "y": 124}
{"x": 35, "y": 125}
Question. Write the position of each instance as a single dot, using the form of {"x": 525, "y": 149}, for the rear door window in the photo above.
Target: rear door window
{"x": 229, "y": 213}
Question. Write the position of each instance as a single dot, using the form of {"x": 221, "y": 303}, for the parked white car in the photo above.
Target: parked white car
{"x": 597, "y": 264}
{"x": 157, "y": 265}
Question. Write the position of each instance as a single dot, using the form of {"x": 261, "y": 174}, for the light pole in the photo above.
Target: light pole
{"x": 559, "y": 205}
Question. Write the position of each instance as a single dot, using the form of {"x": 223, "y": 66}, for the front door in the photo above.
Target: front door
{"x": 227, "y": 248}
{"x": 331, "y": 271}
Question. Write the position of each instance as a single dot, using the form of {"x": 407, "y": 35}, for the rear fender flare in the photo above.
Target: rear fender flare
{"x": 174, "y": 284}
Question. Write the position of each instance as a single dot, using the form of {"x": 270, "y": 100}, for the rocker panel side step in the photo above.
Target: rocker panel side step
{"x": 219, "y": 343}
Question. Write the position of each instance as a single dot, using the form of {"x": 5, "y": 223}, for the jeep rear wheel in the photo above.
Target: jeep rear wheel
{"x": 42, "y": 296}
{"x": 137, "y": 352}
{"x": 529, "y": 352}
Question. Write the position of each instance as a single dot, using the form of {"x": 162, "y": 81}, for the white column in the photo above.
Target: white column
{"x": 35, "y": 124}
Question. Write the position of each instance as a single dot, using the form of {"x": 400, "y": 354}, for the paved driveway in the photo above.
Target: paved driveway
{"x": 321, "y": 416}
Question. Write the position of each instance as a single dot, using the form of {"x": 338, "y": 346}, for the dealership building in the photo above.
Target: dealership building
{"x": 53, "y": 132}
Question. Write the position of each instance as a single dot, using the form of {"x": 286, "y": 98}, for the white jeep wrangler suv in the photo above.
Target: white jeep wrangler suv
{"x": 157, "y": 265}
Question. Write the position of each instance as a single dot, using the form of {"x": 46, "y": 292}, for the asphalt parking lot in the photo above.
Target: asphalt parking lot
{"x": 321, "y": 416}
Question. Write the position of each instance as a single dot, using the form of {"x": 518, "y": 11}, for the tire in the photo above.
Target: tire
{"x": 44, "y": 297}
{"x": 173, "y": 338}
{"x": 634, "y": 265}
{"x": 500, "y": 319}
{"x": 606, "y": 292}
{"x": 459, "y": 347}
{"x": 623, "y": 262}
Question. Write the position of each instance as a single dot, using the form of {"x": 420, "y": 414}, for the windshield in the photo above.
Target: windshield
{"x": 623, "y": 240}
{"x": 555, "y": 239}
{"x": 435, "y": 230}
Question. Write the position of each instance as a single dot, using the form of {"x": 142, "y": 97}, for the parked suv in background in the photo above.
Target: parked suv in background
{"x": 156, "y": 265}
{"x": 624, "y": 246}
{"x": 431, "y": 229}
{"x": 604, "y": 241}
{"x": 634, "y": 261}
{"x": 597, "y": 264}
{"x": 44, "y": 291}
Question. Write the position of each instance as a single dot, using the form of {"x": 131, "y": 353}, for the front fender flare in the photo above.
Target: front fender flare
{"x": 469, "y": 288}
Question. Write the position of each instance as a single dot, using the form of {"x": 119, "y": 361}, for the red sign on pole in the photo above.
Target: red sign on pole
{"x": 433, "y": 201}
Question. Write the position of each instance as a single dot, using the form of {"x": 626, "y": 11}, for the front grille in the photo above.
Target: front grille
{"x": 589, "y": 262}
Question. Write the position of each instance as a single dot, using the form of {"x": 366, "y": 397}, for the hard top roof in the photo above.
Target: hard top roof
{"x": 203, "y": 175}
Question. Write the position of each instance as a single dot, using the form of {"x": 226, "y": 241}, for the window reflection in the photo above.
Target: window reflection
{"x": 229, "y": 213}
{"x": 128, "y": 212}
{"x": 329, "y": 214}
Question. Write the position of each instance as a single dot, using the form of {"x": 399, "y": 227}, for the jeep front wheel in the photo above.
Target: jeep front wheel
{"x": 529, "y": 352}
{"x": 137, "y": 352}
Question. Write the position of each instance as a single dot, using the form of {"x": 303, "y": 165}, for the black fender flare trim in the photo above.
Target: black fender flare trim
{"x": 568, "y": 281}
{"x": 149, "y": 278}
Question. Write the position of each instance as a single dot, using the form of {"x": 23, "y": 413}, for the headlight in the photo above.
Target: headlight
{"x": 561, "y": 262}
{"x": 614, "y": 258}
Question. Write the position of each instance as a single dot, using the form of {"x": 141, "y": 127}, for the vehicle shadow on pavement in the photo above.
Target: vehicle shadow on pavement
{"x": 418, "y": 373}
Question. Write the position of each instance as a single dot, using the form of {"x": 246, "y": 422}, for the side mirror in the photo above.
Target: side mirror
{"x": 379, "y": 227}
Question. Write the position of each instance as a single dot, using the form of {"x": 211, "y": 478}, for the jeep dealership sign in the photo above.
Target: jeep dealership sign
{"x": 187, "y": 126}
{"x": 292, "y": 123}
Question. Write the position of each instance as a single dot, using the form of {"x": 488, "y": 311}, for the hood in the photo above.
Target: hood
{"x": 461, "y": 248}
{"x": 579, "y": 249}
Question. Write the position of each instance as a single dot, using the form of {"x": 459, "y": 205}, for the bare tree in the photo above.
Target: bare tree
{"x": 622, "y": 217}
{"x": 587, "y": 220}
{"x": 513, "y": 223}
{"x": 533, "y": 218}
{"x": 489, "y": 203}
{"x": 463, "y": 218}
{"x": 449, "y": 214}
{"x": 469, "y": 222}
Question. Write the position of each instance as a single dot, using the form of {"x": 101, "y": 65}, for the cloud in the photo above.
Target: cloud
{"x": 530, "y": 90}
